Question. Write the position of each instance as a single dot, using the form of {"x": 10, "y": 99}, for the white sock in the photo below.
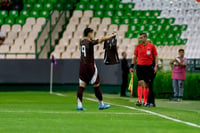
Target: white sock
{"x": 101, "y": 103}
{"x": 79, "y": 103}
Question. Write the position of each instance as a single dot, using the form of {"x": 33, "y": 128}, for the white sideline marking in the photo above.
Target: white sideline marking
{"x": 150, "y": 112}
{"x": 58, "y": 94}
{"x": 72, "y": 112}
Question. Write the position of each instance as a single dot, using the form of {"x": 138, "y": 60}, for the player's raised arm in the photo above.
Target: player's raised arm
{"x": 107, "y": 37}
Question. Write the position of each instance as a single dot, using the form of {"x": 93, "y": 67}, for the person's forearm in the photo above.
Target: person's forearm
{"x": 172, "y": 61}
{"x": 181, "y": 64}
{"x": 134, "y": 59}
{"x": 156, "y": 60}
{"x": 106, "y": 38}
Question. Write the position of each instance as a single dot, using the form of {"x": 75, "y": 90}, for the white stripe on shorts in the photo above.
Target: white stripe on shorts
{"x": 94, "y": 78}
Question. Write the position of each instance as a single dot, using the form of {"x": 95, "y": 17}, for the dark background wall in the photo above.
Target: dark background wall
{"x": 38, "y": 71}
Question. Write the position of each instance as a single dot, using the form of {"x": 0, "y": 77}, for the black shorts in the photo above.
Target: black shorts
{"x": 88, "y": 73}
{"x": 145, "y": 72}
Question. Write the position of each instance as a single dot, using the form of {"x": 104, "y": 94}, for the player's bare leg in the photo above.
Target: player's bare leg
{"x": 81, "y": 88}
{"x": 99, "y": 96}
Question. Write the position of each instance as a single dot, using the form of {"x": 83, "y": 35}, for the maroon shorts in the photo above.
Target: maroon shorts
{"x": 88, "y": 73}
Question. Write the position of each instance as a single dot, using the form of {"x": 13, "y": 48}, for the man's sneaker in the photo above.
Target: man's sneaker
{"x": 179, "y": 99}
{"x": 105, "y": 106}
{"x": 174, "y": 99}
{"x": 152, "y": 105}
{"x": 138, "y": 103}
{"x": 80, "y": 108}
{"x": 146, "y": 105}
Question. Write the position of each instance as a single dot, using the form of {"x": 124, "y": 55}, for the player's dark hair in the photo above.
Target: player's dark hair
{"x": 87, "y": 31}
{"x": 123, "y": 53}
{"x": 181, "y": 50}
{"x": 144, "y": 34}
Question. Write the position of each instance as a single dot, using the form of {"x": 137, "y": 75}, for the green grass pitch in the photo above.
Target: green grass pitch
{"x": 40, "y": 112}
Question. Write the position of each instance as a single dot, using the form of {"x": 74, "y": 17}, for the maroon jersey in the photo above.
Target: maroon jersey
{"x": 87, "y": 51}
{"x": 111, "y": 54}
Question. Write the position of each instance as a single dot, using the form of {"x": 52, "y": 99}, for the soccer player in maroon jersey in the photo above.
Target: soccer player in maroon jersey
{"x": 88, "y": 72}
{"x": 144, "y": 54}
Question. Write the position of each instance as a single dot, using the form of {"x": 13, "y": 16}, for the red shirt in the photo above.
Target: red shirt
{"x": 145, "y": 54}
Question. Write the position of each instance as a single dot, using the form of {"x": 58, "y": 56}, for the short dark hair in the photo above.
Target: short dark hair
{"x": 123, "y": 53}
{"x": 181, "y": 50}
{"x": 87, "y": 31}
{"x": 144, "y": 34}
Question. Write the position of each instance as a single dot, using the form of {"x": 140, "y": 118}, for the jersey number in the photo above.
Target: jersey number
{"x": 83, "y": 50}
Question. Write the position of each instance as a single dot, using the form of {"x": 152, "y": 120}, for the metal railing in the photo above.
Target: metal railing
{"x": 45, "y": 42}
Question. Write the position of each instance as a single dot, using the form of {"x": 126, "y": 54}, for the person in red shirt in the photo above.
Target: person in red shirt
{"x": 144, "y": 54}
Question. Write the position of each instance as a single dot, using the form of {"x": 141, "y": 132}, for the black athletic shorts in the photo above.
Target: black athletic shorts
{"x": 145, "y": 72}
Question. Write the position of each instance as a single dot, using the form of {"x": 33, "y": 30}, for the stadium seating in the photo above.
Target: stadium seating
{"x": 23, "y": 27}
{"x": 128, "y": 19}
{"x": 170, "y": 25}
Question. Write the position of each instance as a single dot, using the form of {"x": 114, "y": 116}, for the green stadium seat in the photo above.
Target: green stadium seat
{"x": 96, "y": 1}
{"x": 131, "y": 34}
{"x": 1, "y": 21}
{"x": 128, "y": 13}
{"x": 184, "y": 27}
{"x": 138, "y": 13}
{"x": 13, "y": 13}
{"x": 58, "y": 6}
{"x": 38, "y": 7}
{"x": 34, "y": 14}
{"x": 20, "y": 21}
{"x": 9, "y": 21}
{"x": 155, "y": 13}
{"x": 68, "y": 6}
{"x": 171, "y": 20}
{"x": 44, "y": 14}
{"x": 98, "y": 14}
{"x": 43, "y": 1}
{"x": 84, "y": 1}
{"x": 53, "y": 1}
{"x": 147, "y": 13}
{"x": 134, "y": 20}
{"x": 28, "y": 6}
{"x": 100, "y": 6}
{"x": 3, "y": 13}
{"x": 116, "y": 20}
{"x": 175, "y": 28}
{"x": 132, "y": 28}
{"x": 125, "y": 20}
{"x": 144, "y": 21}
{"x": 119, "y": 13}
{"x": 152, "y": 21}
{"x": 65, "y": 1}
{"x": 108, "y": 14}
{"x": 48, "y": 6}
{"x": 158, "y": 42}
{"x": 80, "y": 6}
{"x": 90, "y": 6}
{"x": 181, "y": 41}
{"x": 31, "y": 1}
{"x": 24, "y": 13}
{"x": 149, "y": 27}
{"x": 120, "y": 6}
{"x": 110, "y": 6}
{"x": 129, "y": 6}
